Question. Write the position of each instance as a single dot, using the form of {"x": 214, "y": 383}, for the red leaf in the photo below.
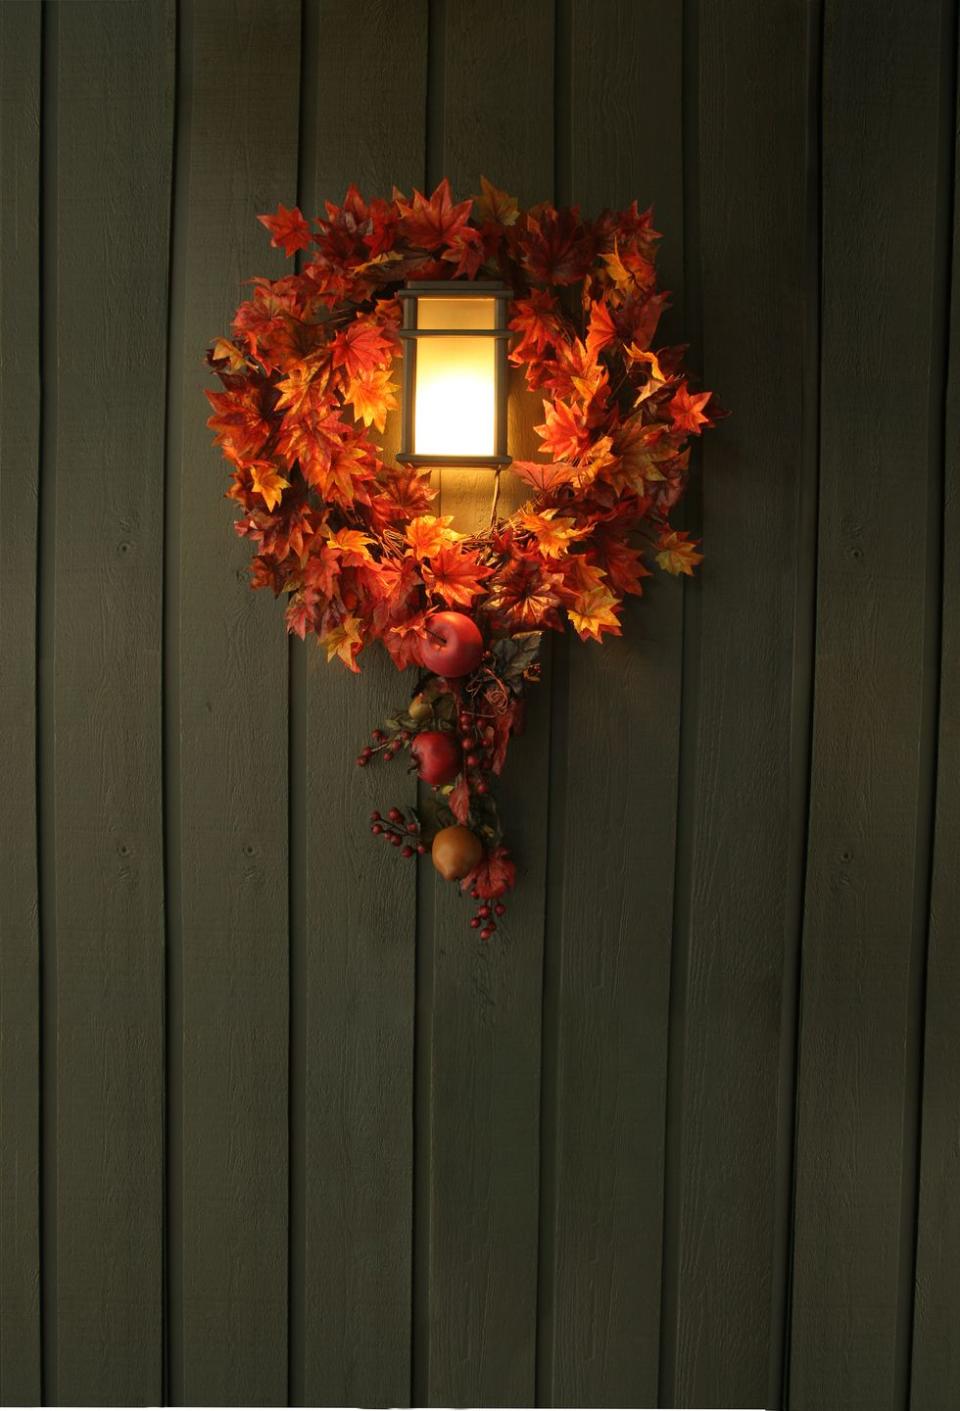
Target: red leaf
{"x": 492, "y": 877}
{"x": 455, "y": 575}
{"x": 430, "y": 224}
{"x": 459, "y": 800}
{"x": 362, "y": 348}
{"x": 543, "y": 475}
{"x": 287, "y": 228}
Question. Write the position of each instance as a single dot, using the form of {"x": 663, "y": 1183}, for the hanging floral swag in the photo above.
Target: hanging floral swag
{"x": 351, "y": 541}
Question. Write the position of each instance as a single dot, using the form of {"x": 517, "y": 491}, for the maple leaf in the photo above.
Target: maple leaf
{"x": 493, "y": 876}
{"x": 677, "y": 553}
{"x": 554, "y": 247}
{"x": 455, "y": 575}
{"x": 226, "y": 358}
{"x": 593, "y": 613}
{"x": 301, "y": 612}
{"x": 268, "y": 483}
{"x": 322, "y": 570}
{"x": 403, "y": 642}
{"x": 496, "y": 205}
{"x": 372, "y": 397}
{"x": 623, "y": 563}
{"x": 554, "y": 536}
{"x": 240, "y": 425}
{"x": 430, "y": 224}
{"x": 539, "y": 323}
{"x": 305, "y": 385}
{"x": 405, "y": 493}
{"x": 544, "y": 475}
{"x": 526, "y": 594}
{"x": 466, "y": 252}
{"x": 564, "y": 434}
{"x": 287, "y": 228}
{"x": 601, "y": 330}
{"x": 630, "y": 269}
{"x": 351, "y": 546}
{"x": 687, "y": 410}
{"x": 428, "y": 534}
{"x": 361, "y": 348}
{"x": 344, "y": 641}
{"x": 459, "y": 800}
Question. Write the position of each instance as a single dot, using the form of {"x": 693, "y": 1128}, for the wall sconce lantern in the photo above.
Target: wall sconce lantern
{"x": 455, "y": 373}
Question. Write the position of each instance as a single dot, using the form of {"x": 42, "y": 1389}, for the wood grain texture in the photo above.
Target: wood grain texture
{"x": 476, "y": 1333}
{"x": 610, "y": 922}
{"x": 105, "y": 327}
{"x": 748, "y": 731}
{"x": 868, "y": 870}
{"x": 237, "y": 156}
{"x": 935, "y": 1380}
{"x": 20, "y": 41}
{"x": 357, "y": 966}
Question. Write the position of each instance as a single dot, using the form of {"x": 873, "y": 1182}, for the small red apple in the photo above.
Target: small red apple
{"x": 437, "y": 757}
{"x": 453, "y": 645}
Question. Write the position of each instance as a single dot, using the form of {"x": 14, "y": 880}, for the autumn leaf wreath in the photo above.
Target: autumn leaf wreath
{"x": 350, "y": 540}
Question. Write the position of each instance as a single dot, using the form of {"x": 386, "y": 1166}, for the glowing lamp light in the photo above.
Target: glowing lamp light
{"x": 455, "y": 373}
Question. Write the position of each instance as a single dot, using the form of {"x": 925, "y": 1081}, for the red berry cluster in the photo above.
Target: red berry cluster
{"x": 400, "y": 829}
{"x": 477, "y": 755}
{"x": 483, "y": 920}
{"x": 383, "y": 744}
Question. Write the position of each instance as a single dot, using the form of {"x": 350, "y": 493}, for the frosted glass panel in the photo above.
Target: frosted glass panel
{"x": 456, "y": 313}
{"x": 456, "y": 395}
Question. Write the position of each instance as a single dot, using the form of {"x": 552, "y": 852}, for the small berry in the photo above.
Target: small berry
{"x": 395, "y": 816}
{"x": 465, "y": 720}
{"x": 475, "y": 922}
{"x": 395, "y": 839}
{"x": 406, "y": 852}
{"x": 483, "y": 787}
{"x": 388, "y": 755}
{"x": 378, "y": 735}
{"x": 361, "y": 760}
{"x": 475, "y": 894}
{"x": 491, "y": 926}
{"x": 483, "y": 911}
{"x": 472, "y": 761}
{"x": 404, "y": 735}
{"x": 500, "y": 909}
{"x": 486, "y": 933}
{"x": 421, "y": 848}
{"x": 468, "y": 741}
{"x": 376, "y": 828}
{"x": 412, "y": 828}
{"x": 375, "y": 816}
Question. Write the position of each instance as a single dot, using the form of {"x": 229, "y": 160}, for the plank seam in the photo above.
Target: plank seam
{"x": 296, "y": 848}
{"x": 556, "y": 831}
{"x": 687, "y": 748}
{"x": 804, "y": 688}
{"x": 171, "y": 799}
{"x": 929, "y": 752}
{"x": 45, "y": 739}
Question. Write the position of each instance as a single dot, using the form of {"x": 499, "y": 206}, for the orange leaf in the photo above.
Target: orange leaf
{"x": 268, "y": 483}
{"x": 430, "y": 224}
{"x": 554, "y": 536}
{"x": 496, "y": 205}
{"x": 345, "y": 641}
{"x": 687, "y": 411}
{"x": 428, "y": 533}
{"x": 677, "y": 554}
{"x": 593, "y": 613}
{"x": 456, "y": 576}
{"x": 372, "y": 397}
{"x": 287, "y": 228}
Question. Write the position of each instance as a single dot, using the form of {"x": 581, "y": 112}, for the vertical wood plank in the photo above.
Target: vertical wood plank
{"x": 227, "y": 703}
{"x": 866, "y": 901}
{"x": 105, "y": 326}
{"x": 20, "y": 41}
{"x": 355, "y": 962}
{"x": 935, "y": 1379}
{"x": 492, "y": 81}
{"x": 746, "y": 723}
{"x": 611, "y": 902}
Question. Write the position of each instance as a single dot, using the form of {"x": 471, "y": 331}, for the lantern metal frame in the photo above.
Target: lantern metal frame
{"x": 410, "y": 294}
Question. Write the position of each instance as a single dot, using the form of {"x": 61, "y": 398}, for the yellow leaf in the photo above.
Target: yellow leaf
{"x": 593, "y": 612}
{"x": 372, "y": 397}
{"x": 428, "y": 533}
{"x": 677, "y": 554}
{"x": 268, "y": 482}
{"x": 553, "y": 535}
{"x": 344, "y": 641}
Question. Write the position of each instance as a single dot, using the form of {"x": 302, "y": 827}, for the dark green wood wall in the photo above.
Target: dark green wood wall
{"x": 274, "y": 1127}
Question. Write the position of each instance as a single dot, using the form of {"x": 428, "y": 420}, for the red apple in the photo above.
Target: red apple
{"x": 437, "y": 757}
{"x": 453, "y": 645}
